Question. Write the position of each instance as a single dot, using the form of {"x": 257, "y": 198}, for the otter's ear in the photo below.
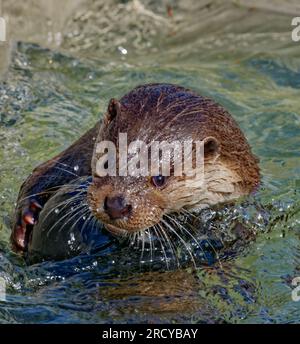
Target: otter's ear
{"x": 211, "y": 147}
{"x": 113, "y": 109}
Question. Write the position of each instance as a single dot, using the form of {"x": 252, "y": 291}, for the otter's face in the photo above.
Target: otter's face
{"x": 158, "y": 112}
{"x": 128, "y": 204}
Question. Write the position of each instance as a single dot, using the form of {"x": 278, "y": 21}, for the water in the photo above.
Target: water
{"x": 241, "y": 54}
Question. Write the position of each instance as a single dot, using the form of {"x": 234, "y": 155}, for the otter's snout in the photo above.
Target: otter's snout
{"x": 116, "y": 207}
{"x": 125, "y": 204}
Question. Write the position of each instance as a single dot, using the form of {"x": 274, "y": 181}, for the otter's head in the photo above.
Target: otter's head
{"x": 162, "y": 112}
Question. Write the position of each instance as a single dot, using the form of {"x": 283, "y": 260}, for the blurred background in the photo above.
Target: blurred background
{"x": 204, "y": 28}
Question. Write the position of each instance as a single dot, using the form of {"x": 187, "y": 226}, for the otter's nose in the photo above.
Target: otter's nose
{"x": 116, "y": 207}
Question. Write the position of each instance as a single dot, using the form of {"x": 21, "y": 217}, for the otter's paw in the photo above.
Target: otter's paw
{"x": 27, "y": 217}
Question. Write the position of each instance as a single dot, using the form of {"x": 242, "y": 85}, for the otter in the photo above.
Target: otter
{"x": 126, "y": 205}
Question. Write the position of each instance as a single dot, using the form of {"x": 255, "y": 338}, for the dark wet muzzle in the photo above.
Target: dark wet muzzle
{"x": 116, "y": 207}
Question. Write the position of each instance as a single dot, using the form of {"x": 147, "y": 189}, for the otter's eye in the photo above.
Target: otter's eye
{"x": 158, "y": 181}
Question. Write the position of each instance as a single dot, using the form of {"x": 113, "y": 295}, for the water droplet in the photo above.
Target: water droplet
{"x": 122, "y": 50}
{"x": 56, "y": 211}
{"x": 259, "y": 217}
{"x": 76, "y": 168}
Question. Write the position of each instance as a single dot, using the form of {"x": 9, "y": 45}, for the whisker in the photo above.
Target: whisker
{"x": 53, "y": 189}
{"x": 65, "y": 203}
{"x": 150, "y": 243}
{"x": 182, "y": 228}
{"x": 133, "y": 239}
{"x": 182, "y": 240}
{"x": 64, "y": 164}
{"x": 196, "y": 241}
{"x": 172, "y": 248}
{"x": 188, "y": 213}
{"x": 212, "y": 247}
{"x": 82, "y": 214}
{"x": 162, "y": 246}
{"x": 142, "y": 235}
{"x": 64, "y": 170}
{"x": 88, "y": 220}
{"x": 78, "y": 212}
{"x": 63, "y": 217}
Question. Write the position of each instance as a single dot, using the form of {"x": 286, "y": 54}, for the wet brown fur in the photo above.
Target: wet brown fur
{"x": 169, "y": 112}
{"x": 152, "y": 112}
